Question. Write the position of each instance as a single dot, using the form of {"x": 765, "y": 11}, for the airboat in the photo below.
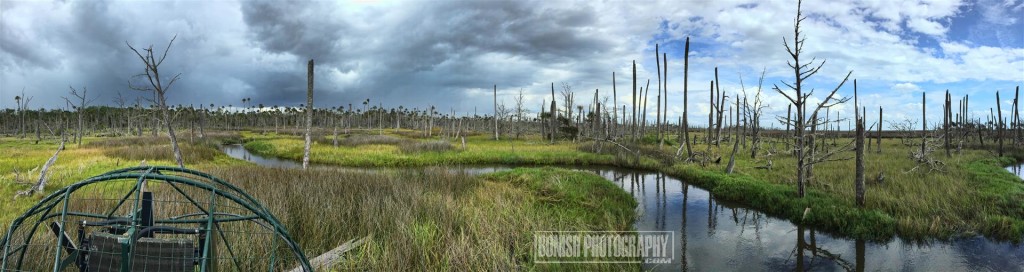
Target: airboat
{"x": 150, "y": 218}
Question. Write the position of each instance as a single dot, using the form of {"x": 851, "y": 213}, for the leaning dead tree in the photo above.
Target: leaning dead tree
{"x": 40, "y": 185}
{"x": 806, "y": 120}
{"x": 159, "y": 89}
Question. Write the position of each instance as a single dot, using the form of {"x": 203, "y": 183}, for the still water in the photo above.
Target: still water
{"x": 712, "y": 235}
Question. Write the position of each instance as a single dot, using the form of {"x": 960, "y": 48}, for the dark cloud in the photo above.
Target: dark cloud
{"x": 445, "y": 53}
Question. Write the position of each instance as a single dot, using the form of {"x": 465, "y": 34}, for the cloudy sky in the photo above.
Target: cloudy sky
{"x": 450, "y": 53}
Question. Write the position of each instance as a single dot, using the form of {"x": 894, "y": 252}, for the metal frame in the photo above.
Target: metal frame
{"x": 174, "y": 177}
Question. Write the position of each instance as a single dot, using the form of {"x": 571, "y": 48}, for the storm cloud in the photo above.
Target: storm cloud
{"x": 449, "y": 54}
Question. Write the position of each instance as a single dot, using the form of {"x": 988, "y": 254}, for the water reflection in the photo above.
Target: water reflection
{"x": 1016, "y": 169}
{"x": 715, "y": 235}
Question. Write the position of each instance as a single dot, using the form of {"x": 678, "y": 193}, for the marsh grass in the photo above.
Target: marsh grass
{"x": 136, "y": 149}
{"x": 425, "y": 146}
{"x": 369, "y": 139}
{"x": 435, "y": 219}
{"x": 480, "y": 150}
{"x": 971, "y": 195}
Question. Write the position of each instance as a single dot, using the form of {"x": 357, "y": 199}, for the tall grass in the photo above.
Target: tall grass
{"x": 426, "y": 146}
{"x": 365, "y": 139}
{"x": 156, "y": 148}
{"x": 434, "y": 219}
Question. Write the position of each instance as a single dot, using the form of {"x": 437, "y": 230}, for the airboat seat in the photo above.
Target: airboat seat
{"x": 150, "y": 254}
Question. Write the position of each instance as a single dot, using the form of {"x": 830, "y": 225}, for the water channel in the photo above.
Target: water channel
{"x": 712, "y": 235}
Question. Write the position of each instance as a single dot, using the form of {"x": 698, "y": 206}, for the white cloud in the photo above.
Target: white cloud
{"x": 906, "y": 87}
{"x": 926, "y": 26}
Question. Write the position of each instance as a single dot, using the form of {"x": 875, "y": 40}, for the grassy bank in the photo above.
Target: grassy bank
{"x": 479, "y": 150}
{"x": 428, "y": 219}
{"x": 22, "y": 160}
{"x": 971, "y": 195}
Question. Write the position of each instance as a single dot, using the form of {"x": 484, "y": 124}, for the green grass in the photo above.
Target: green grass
{"x": 19, "y": 167}
{"x": 479, "y": 151}
{"x": 432, "y": 219}
{"x": 971, "y": 195}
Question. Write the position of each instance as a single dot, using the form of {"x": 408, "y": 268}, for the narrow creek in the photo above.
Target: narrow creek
{"x": 713, "y": 235}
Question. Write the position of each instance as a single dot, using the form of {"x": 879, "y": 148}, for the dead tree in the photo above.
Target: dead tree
{"x": 22, "y": 106}
{"x": 924, "y": 123}
{"x": 520, "y": 110}
{"x": 879, "y": 143}
{"x": 309, "y": 115}
{"x": 633, "y": 128}
{"x": 657, "y": 117}
{"x": 946, "y": 112}
{"x": 684, "y": 124}
{"x": 41, "y": 183}
{"x": 735, "y": 141}
{"x": 495, "y": 112}
{"x": 152, "y": 74}
{"x": 859, "y": 175}
{"x": 753, "y": 114}
{"x": 1015, "y": 117}
{"x": 999, "y": 123}
{"x": 554, "y": 115}
{"x": 711, "y": 114}
{"x": 721, "y": 109}
{"x": 802, "y": 71}
{"x": 615, "y": 110}
{"x": 664, "y": 91}
{"x": 82, "y": 103}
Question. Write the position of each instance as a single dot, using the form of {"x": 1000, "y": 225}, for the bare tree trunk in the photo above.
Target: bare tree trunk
{"x": 999, "y": 123}
{"x": 859, "y": 179}
{"x": 309, "y": 115}
{"x": 202, "y": 122}
{"x": 711, "y": 114}
{"x": 945, "y": 123}
{"x": 633, "y": 127}
{"x": 735, "y": 146}
{"x": 657, "y": 117}
{"x": 543, "y": 124}
{"x": 615, "y": 108}
{"x": 879, "y": 143}
{"x": 664, "y": 90}
{"x": 859, "y": 175}
{"x": 554, "y": 114}
{"x": 924, "y": 123}
{"x": 170, "y": 134}
{"x": 1016, "y": 116}
{"x": 495, "y": 112}
{"x": 686, "y": 82}
{"x": 41, "y": 183}
{"x": 720, "y": 107}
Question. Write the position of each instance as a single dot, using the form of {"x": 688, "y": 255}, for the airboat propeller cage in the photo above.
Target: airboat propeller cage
{"x": 183, "y": 220}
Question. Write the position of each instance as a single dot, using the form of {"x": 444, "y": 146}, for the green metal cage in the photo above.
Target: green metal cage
{"x": 150, "y": 219}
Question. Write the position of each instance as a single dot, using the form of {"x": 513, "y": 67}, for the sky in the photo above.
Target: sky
{"x": 450, "y": 54}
